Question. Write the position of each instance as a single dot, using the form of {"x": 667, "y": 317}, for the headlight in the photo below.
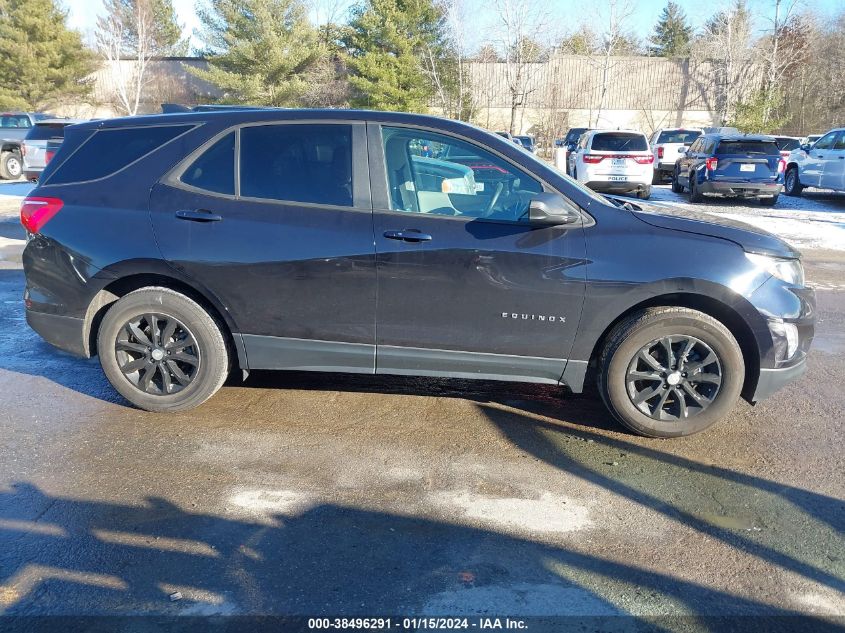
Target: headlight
{"x": 789, "y": 270}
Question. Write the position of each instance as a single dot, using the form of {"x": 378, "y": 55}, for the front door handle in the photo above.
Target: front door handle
{"x": 408, "y": 235}
{"x": 199, "y": 215}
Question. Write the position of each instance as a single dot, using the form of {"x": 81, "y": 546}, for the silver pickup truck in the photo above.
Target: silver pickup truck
{"x": 14, "y": 127}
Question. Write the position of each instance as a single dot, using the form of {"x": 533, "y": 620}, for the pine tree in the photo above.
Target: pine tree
{"x": 672, "y": 33}
{"x": 42, "y": 62}
{"x": 390, "y": 45}
{"x": 260, "y": 51}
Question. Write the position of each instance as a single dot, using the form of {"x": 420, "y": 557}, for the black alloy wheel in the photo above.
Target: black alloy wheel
{"x": 674, "y": 378}
{"x": 157, "y": 353}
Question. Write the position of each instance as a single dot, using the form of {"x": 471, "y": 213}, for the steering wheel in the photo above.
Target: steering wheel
{"x": 489, "y": 208}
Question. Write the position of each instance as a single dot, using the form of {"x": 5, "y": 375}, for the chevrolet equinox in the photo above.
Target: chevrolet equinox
{"x": 178, "y": 247}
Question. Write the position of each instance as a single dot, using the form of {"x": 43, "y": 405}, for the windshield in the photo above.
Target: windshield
{"x": 619, "y": 142}
{"x": 678, "y": 136}
{"x": 766, "y": 148}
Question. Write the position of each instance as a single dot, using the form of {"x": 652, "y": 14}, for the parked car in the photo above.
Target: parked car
{"x": 733, "y": 166}
{"x": 179, "y": 247}
{"x": 14, "y": 127}
{"x": 666, "y": 145}
{"x": 821, "y": 164}
{"x": 570, "y": 142}
{"x": 614, "y": 161}
{"x": 527, "y": 142}
{"x": 41, "y": 143}
{"x": 786, "y": 144}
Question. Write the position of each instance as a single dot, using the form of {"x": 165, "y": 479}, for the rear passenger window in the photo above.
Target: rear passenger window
{"x": 214, "y": 170}
{"x": 108, "y": 151}
{"x": 297, "y": 163}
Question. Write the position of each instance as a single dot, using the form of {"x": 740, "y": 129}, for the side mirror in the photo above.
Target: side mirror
{"x": 682, "y": 150}
{"x": 806, "y": 147}
{"x": 550, "y": 209}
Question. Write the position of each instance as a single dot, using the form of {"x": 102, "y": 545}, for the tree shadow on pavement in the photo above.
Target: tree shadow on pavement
{"x": 78, "y": 556}
{"x": 795, "y": 529}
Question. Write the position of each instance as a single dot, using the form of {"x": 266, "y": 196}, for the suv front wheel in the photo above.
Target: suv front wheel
{"x": 162, "y": 351}
{"x": 670, "y": 372}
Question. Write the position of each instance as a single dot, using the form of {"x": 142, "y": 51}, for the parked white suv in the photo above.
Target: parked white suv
{"x": 617, "y": 161}
{"x": 819, "y": 165}
{"x": 667, "y": 145}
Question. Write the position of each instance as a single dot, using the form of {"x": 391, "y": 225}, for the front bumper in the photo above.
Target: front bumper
{"x": 66, "y": 333}
{"x": 740, "y": 188}
{"x": 771, "y": 380}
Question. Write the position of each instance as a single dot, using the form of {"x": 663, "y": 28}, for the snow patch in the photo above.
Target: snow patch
{"x": 271, "y": 502}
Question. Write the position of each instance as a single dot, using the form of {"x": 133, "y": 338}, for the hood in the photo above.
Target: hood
{"x": 750, "y": 238}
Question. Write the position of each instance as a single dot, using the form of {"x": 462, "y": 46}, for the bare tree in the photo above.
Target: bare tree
{"x": 520, "y": 32}
{"x": 126, "y": 41}
{"x": 727, "y": 41}
{"x": 612, "y": 39}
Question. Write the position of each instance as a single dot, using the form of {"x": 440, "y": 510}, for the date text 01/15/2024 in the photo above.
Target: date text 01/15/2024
{"x": 416, "y": 623}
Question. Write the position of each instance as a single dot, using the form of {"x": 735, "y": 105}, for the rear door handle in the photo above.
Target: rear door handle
{"x": 408, "y": 235}
{"x": 199, "y": 215}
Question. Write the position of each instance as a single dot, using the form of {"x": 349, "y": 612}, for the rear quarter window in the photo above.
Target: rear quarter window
{"x": 108, "y": 151}
{"x": 214, "y": 169}
{"x": 765, "y": 148}
{"x": 619, "y": 142}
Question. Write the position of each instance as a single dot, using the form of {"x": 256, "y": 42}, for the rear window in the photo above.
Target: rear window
{"x": 214, "y": 170}
{"x": 47, "y": 132}
{"x": 765, "y": 148}
{"x": 788, "y": 144}
{"x": 14, "y": 121}
{"x": 678, "y": 136}
{"x": 109, "y": 151}
{"x": 619, "y": 142}
{"x": 297, "y": 163}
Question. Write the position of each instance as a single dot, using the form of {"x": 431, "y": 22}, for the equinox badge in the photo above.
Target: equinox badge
{"x": 533, "y": 317}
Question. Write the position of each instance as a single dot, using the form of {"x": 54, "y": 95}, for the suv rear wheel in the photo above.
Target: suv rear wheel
{"x": 669, "y": 372}
{"x": 162, "y": 351}
{"x": 792, "y": 184}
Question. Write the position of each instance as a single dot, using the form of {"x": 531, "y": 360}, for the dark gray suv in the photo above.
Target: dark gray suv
{"x": 180, "y": 247}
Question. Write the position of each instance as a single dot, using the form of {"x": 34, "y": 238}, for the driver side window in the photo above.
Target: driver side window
{"x": 825, "y": 142}
{"x": 440, "y": 175}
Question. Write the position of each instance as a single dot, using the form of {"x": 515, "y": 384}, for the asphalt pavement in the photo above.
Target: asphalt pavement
{"x": 305, "y": 494}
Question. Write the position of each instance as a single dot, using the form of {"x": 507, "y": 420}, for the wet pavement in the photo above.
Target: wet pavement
{"x": 303, "y": 494}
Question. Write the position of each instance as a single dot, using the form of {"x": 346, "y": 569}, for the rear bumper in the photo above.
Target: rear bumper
{"x": 728, "y": 188}
{"x": 771, "y": 380}
{"x": 64, "y": 332}
{"x": 611, "y": 186}
{"x": 32, "y": 173}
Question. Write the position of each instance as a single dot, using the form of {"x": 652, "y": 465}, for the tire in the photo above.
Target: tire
{"x": 657, "y": 177}
{"x": 11, "y": 165}
{"x": 792, "y": 183}
{"x": 208, "y": 355}
{"x": 694, "y": 194}
{"x": 676, "y": 186}
{"x": 769, "y": 202}
{"x": 644, "y": 193}
{"x": 651, "y": 327}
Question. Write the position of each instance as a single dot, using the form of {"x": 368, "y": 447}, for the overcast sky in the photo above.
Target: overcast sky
{"x": 566, "y": 15}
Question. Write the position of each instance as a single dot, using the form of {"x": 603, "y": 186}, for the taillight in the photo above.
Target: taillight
{"x": 711, "y": 163}
{"x": 36, "y": 212}
{"x": 784, "y": 153}
{"x": 48, "y": 155}
{"x": 593, "y": 158}
{"x": 660, "y": 152}
{"x": 645, "y": 160}
{"x": 781, "y": 166}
